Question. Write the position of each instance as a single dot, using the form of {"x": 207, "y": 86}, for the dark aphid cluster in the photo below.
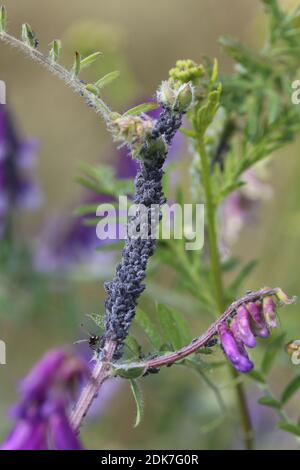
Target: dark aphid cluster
{"x": 125, "y": 288}
{"x": 252, "y": 319}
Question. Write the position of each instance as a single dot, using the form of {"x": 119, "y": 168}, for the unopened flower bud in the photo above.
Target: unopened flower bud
{"x": 184, "y": 97}
{"x": 245, "y": 332}
{"x": 283, "y": 297}
{"x": 269, "y": 308}
{"x": 293, "y": 350}
{"x": 255, "y": 310}
{"x": 233, "y": 350}
{"x": 166, "y": 94}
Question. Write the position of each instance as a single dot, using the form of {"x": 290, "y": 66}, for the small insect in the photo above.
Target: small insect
{"x": 293, "y": 350}
{"x": 211, "y": 343}
{"x": 33, "y": 39}
{"x": 92, "y": 340}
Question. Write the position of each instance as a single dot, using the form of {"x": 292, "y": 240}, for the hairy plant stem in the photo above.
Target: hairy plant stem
{"x": 216, "y": 274}
{"x": 91, "y": 390}
{"x": 55, "y": 68}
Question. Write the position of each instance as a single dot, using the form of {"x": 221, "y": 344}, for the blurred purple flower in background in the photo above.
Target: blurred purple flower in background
{"x": 17, "y": 160}
{"x": 46, "y": 394}
{"x": 240, "y": 206}
{"x": 64, "y": 243}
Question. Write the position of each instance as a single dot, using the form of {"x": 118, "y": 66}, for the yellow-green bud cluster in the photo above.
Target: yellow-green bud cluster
{"x": 186, "y": 71}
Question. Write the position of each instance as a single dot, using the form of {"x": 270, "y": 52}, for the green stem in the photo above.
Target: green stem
{"x": 216, "y": 274}
{"x": 211, "y": 229}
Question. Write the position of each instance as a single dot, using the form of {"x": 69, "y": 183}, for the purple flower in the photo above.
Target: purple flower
{"x": 255, "y": 310}
{"x": 27, "y": 435}
{"x": 63, "y": 436}
{"x": 269, "y": 308}
{"x": 239, "y": 207}
{"x": 244, "y": 327}
{"x": 234, "y": 351}
{"x": 46, "y": 394}
{"x": 252, "y": 319}
{"x": 17, "y": 159}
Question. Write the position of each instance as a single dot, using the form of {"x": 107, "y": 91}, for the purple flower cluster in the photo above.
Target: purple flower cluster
{"x": 46, "y": 394}
{"x": 253, "y": 319}
{"x": 17, "y": 159}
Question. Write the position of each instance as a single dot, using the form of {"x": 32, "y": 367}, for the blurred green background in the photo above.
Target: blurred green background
{"x": 142, "y": 39}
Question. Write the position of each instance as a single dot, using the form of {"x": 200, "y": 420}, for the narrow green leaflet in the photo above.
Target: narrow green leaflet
{"x": 207, "y": 112}
{"x": 128, "y": 370}
{"x": 97, "y": 318}
{"x": 141, "y": 108}
{"x": 133, "y": 345}
{"x": 242, "y": 276}
{"x": 89, "y": 60}
{"x": 148, "y": 327}
{"x": 136, "y": 391}
{"x": 270, "y": 354}
{"x": 269, "y": 401}
{"x": 87, "y": 209}
{"x": 290, "y": 389}
{"x": 3, "y": 19}
{"x": 55, "y": 48}
{"x": 174, "y": 327}
{"x": 289, "y": 427}
{"x": 76, "y": 65}
{"x": 108, "y": 78}
{"x": 256, "y": 376}
{"x": 28, "y": 36}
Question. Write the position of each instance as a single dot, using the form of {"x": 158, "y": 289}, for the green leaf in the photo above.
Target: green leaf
{"x": 269, "y": 401}
{"x": 3, "y": 19}
{"x": 270, "y": 354}
{"x": 141, "y": 108}
{"x": 290, "y": 389}
{"x": 76, "y": 65}
{"x": 108, "y": 78}
{"x": 289, "y": 427}
{"x": 89, "y": 60}
{"x": 188, "y": 132}
{"x": 87, "y": 209}
{"x": 148, "y": 327}
{"x": 214, "y": 73}
{"x": 133, "y": 345}
{"x": 245, "y": 56}
{"x": 55, "y": 50}
{"x": 92, "y": 89}
{"x": 206, "y": 113}
{"x": 138, "y": 401}
{"x": 257, "y": 376}
{"x": 97, "y": 318}
{"x": 242, "y": 276}
{"x": 128, "y": 370}
{"x": 230, "y": 264}
{"x": 28, "y": 36}
{"x": 174, "y": 327}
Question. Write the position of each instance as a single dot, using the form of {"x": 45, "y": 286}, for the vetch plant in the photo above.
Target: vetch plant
{"x": 231, "y": 123}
